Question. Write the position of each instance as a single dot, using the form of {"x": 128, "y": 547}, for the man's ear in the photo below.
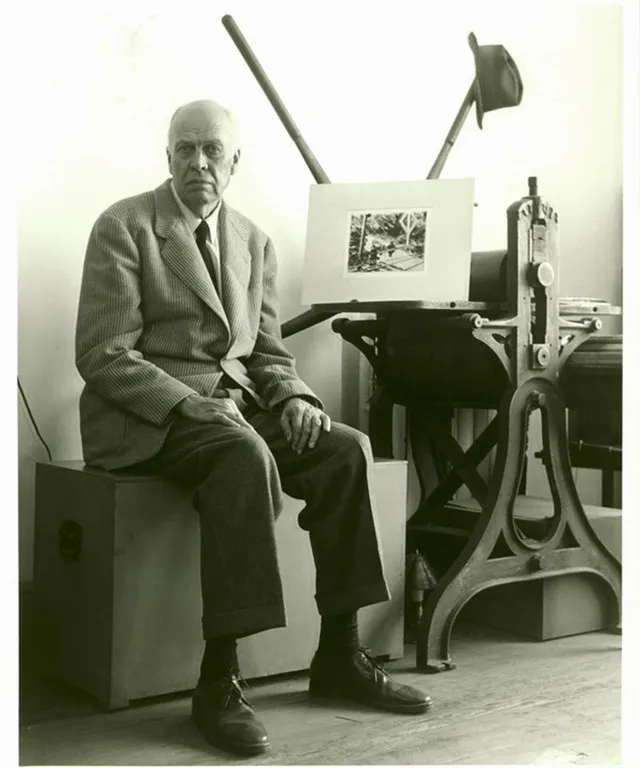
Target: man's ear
{"x": 235, "y": 161}
{"x": 169, "y": 160}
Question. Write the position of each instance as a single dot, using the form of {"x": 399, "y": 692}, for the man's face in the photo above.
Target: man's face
{"x": 202, "y": 158}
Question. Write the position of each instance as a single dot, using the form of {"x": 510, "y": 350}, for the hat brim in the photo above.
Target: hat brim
{"x": 475, "y": 48}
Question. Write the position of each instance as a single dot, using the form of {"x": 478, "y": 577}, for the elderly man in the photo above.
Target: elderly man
{"x": 186, "y": 375}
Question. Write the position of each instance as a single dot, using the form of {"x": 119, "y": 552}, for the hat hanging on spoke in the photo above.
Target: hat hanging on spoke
{"x": 498, "y": 83}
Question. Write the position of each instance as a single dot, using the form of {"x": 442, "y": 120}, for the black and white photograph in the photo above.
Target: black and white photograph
{"x": 320, "y": 334}
{"x": 387, "y": 241}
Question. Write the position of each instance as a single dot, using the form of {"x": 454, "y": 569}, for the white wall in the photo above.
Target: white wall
{"x": 373, "y": 88}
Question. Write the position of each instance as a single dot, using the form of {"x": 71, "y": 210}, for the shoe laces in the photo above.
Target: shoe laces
{"x": 235, "y": 689}
{"x": 235, "y": 672}
{"x": 371, "y": 660}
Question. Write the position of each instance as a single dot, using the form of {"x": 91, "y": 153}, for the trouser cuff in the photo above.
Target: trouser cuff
{"x": 241, "y": 623}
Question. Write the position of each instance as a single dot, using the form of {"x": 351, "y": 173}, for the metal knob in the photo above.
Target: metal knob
{"x": 537, "y": 562}
{"x": 538, "y": 399}
{"x": 593, "y": 323}
{"x": 541, "y": 274}
{"x": 542, "y": 358}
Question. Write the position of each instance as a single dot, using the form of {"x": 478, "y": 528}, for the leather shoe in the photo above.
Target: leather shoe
{"x": 359, "y": 677}
{"x": 226, "y": 719}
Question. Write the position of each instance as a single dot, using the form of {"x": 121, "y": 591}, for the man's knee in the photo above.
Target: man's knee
{"x": 237, "y": 452}
{"x": 339, "y": 489}
{"x": 249, "y": 450}
{"x": 240, "y": 467}
{"x": 349, "y": 443}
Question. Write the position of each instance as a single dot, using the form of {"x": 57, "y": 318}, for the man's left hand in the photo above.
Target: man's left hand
{"x": 302, "y": 424}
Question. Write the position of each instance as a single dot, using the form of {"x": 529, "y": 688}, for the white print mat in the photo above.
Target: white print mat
{"x": 397, "y": 241}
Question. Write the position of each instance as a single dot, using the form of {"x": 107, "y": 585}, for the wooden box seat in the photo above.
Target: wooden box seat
{"x": 117, "y": 583}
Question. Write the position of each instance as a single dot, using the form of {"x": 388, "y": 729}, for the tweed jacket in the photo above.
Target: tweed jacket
{"x": 151, "y": 328}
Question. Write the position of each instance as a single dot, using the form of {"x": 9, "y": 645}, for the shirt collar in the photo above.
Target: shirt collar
{"x": 192, "y": 220}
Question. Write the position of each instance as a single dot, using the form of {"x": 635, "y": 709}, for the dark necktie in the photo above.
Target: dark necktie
{"x": 202, "y": 235}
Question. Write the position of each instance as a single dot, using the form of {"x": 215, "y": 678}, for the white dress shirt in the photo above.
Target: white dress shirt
{"x": 212, "y": 242}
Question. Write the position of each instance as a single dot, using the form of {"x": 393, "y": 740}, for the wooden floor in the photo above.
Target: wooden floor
{"x": 510, "y": 701}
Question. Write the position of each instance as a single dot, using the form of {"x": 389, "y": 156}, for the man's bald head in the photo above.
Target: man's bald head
{"x": 203, "y": 153}
{"x": 202, "y": 115}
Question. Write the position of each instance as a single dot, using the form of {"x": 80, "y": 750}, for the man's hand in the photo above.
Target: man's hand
{"x": 212, "y": 410}
{"x": 302, "y": 424}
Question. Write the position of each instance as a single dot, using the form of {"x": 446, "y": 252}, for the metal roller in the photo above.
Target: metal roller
{"x": 420, "y": 362}
{"x": 488, "y": 276}
{"x": 591, "y": 382}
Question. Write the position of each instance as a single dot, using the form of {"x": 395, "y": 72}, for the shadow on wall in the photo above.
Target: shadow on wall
{"x": 29, "y": 452}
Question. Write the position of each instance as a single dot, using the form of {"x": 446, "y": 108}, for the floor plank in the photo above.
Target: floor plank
{"x": 510, "y": 700}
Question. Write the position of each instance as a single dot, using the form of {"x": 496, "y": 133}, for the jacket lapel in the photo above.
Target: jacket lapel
{"x": 235, "y": 263}
{"x": 181, "y": 253}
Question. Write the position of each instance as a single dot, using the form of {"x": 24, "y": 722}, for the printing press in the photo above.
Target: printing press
{"x": 521, "y": 350}
{"x": 515, "y": 347}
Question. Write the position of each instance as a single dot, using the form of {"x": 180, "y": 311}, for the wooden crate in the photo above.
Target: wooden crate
{"x": 121, "y": 617}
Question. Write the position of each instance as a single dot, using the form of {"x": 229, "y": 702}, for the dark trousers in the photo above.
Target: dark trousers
{"x": 238, "y": 477}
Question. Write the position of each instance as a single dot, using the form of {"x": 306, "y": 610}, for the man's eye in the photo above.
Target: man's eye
{"x": 212, "y": 150}
{"x": 185, "y": 149}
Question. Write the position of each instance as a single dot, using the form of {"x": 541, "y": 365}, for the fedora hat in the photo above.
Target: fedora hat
{"x": 498, "y": 83}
